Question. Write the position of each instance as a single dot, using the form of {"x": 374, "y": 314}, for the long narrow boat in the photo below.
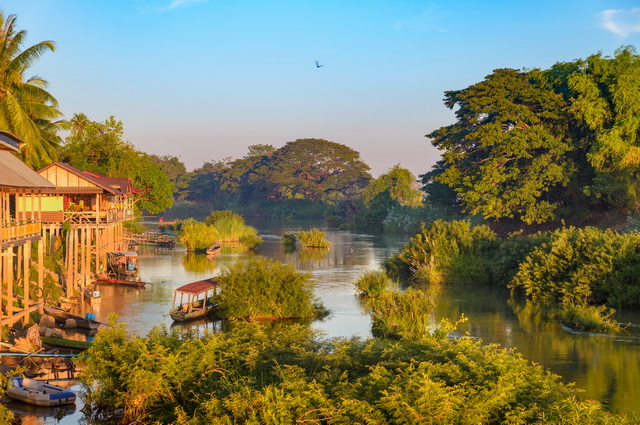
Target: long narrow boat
{"x": 61, "y": 316}
{"x": 39, "y": 393}
{"x": 194, "y": 307}
{"x": 66, "y": 343}
{"x": 103, "y": 280}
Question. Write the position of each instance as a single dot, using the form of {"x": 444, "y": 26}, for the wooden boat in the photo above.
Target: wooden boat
{"x": 66, "y": 343}
{"x": 122, "y": 264}
{"x": 104, "y": 280}
{"x": 195, "y": 306}
{"x": 39, "y": 393}
{"x": 61, "y": 316}
{"x": 213, "y": 249}
{"x": 160, "y": 239}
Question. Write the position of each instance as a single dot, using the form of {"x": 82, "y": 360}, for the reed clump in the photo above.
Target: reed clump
{"x": 197, "y": 236}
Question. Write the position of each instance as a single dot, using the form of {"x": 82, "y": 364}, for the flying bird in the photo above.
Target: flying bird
{"x": 318, "y": 64}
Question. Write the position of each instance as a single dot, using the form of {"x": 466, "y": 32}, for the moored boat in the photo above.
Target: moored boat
{"x": 61, "y": 316}
{"x": 39, "y": 393}
{"x": 66, "y": 343}
{"x": 104, "y": 280}
{"x": 213, "y": 249}
{"x": 195, "y": 306}
{"x": 122, "y": 264}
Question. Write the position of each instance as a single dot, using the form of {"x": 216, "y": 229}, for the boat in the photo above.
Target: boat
{"x": 160, "y": 239}
{"x": 104, "y": 280}
{"x": 39, "y": 393}
{"x": 61, "y": 316}
{"x": 213, "y": 249}
{"x": 122, "y": 264}
{"x": 66, "y": 343}
{"x": 195, "y": 306}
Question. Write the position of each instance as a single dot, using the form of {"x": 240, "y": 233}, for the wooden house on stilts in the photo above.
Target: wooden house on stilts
{"x": 21, "y": 191}
{"x": 95, "y": 208}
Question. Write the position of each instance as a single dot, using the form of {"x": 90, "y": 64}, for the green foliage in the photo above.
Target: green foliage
{"x": 401, "y": 315}
{"x": 255, "y": 375}
{"x": 575, "y": 265}
{"x": 446, "y": 252}
{"x": 27, "y": 109}
{"x": 589, "y": 318}
{"x": 231, "y": 227}
{"x": 197, "y": 236}
{"x": 265, "y": 288}
{"x": 372, "y": 283}
{"x": 400, "y": 184}
{"x": 289, "y": 239}
{"x": 134, "y": 226}
{"x": 99, "y": 148}
{"x": 314, "y": 238}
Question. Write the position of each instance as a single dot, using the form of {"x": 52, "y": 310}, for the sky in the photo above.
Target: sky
{"x": 205, "y": 79}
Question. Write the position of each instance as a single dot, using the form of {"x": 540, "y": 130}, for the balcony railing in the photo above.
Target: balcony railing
{"x": 17, "y": 231}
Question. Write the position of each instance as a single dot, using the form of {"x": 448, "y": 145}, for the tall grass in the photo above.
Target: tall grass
{"x": 590, "y": 318}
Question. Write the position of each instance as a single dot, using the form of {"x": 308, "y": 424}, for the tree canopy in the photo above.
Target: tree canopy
{"x": 27, "y": 109}
{"x": 99, "y": 148}
{"x": 527, "y": 143}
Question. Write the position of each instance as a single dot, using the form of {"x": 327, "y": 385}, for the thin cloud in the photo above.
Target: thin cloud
{"x": 183, "y": 3}
{"x": 425, "y": 21}
{"x": 151, "y": 6}
{"x": 621, "y": 22}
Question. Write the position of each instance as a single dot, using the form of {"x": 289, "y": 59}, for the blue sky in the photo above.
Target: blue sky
{"x": 205, "y": 79}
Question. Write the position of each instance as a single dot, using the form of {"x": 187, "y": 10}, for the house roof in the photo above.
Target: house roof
{"x": 198, "y": 287}
{"x": 10, "y": 142}
{"x": 15, "y": 173}
{"x": 121, "y": 184}
{"x": 83, "y": 175}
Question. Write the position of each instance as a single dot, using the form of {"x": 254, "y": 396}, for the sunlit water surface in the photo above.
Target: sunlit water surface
{"x": 606, "y": 367}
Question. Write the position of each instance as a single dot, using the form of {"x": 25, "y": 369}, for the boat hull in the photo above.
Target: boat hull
{"x": 179, "y": 316}
{"x": 62, "y": 316}
{"x": 39, "y": 393}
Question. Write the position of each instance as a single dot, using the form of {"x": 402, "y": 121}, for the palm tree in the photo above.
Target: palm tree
{"x": 78, "y": 124}
{"x": 26, "y": 108}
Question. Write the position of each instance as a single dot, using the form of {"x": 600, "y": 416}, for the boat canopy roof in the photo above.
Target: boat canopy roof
{"x": 198, "y": 287}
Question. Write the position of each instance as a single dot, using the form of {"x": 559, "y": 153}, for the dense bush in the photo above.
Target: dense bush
{"x": 313, "y": 238}
{"x": 372, "y": 283}
{"x": 265, "y": 288}
{"x": 231, "y": 227}
{"x": 288, "y": 376}
{"x": 451, "y": 252}
{"x": 197, "y": 236}
{"x": 289, "y": 239}
{"x": 400, "y": 315}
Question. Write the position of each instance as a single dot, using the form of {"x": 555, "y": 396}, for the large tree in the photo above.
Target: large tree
{"x": 99, "y": 148}
{"x": 26, "y": 108}
{"x": 506, "y": 153}
{"x": 317, "y": 170}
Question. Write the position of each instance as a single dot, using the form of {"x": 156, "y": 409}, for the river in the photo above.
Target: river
{"x": 606, "y": 367}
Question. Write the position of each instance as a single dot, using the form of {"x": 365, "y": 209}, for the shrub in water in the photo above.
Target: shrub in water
{"x": 313, "y": 238}
{"x": 265, "y": 288}
{"x": 197, "y": 236}
{"x": 289, "y": 239}
{"x": 401, "y": 315}
{"x": 372, "y": 283}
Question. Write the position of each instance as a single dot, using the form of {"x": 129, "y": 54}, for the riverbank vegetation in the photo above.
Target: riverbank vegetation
{"x": 265, "y": 289}
{"x": 581, "y": 270}
{"x": 253, "y": 374}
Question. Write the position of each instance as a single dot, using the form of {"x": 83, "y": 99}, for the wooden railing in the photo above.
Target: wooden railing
{"x": 15, "y": 231}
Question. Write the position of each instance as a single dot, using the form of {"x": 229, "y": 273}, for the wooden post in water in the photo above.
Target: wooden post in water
{"x": 9, "y": 279}
{"x": 41, "y": 273}
{"x": 26, "y": 260}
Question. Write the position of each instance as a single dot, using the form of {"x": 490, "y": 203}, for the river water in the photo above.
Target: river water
{"x": 606, "y": 367}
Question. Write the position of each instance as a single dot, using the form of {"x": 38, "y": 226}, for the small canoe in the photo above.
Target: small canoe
{"x": 39, "y": 393}
{"x": 214, "y": 249}
{"x": 66, "y": 343}
{"x": 61, "y": 316}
